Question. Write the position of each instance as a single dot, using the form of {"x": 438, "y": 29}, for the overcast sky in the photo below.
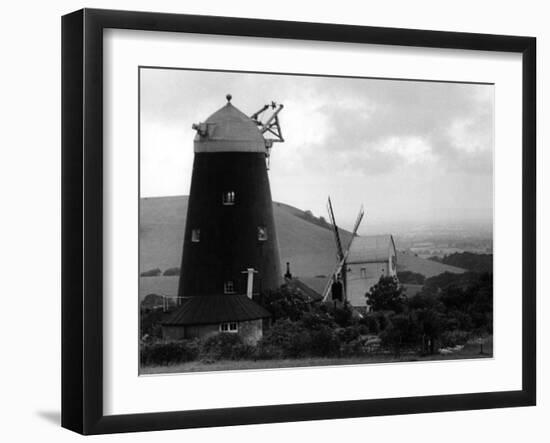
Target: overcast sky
{"x": 412, "y": 152}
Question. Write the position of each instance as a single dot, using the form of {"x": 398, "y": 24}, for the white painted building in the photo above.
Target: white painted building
{"x": 369, "y": 258}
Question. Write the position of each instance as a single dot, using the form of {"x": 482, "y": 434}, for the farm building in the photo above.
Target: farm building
{"x": 368, "y": 259}
{"x": 230, "y": 249}
{"x": 208, "y": 315}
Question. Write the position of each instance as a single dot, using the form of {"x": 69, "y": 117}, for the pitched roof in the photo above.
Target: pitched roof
{"x": 210, "y": 309}
{"x": 371, "y": 249}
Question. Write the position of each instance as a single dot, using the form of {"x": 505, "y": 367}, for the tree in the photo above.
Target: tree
{"x": 386, "y": 295}
{"x": 285, "y": 302}
{"x": 431, "y": 323}
{"x": 403, "y": 331}
{"x": 151, "y": 273}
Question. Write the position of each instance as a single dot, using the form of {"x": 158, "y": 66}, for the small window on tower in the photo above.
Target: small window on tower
{"x": 229, "y": 198}
{"x": 228, "y": 287}
{"x": 196, "y": 235}
{"x": 363, "y": 272}
{"x": 262, "y": 233}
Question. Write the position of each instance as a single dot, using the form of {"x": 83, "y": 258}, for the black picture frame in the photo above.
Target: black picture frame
{"x": 82, "y": 219}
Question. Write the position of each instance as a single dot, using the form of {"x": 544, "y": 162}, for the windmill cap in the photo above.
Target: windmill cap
{"x": 228, "y": 130}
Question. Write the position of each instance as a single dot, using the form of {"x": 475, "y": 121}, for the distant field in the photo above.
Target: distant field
{"x": 470, "y": 351}
{"x": 308, "y": 246}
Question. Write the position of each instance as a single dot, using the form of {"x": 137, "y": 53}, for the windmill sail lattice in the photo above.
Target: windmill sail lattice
{"x": 340, "y": 268}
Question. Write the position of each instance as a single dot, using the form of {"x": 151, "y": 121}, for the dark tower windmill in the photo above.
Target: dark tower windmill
{"x": 336, "y": 286}
{"x": 230, "y": 242}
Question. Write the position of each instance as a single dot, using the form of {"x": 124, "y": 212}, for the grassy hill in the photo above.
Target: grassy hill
{"x": 303, "y": 242}
{"x": 306, "y": 242}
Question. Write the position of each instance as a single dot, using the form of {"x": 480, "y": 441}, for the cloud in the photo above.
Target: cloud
{"x": 382, "y": 142}
{"x": 395, "y": 124}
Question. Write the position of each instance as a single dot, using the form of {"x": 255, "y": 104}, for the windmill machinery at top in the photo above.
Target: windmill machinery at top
{"x": 270, "y": 127}
{"x": 336, "y": 285}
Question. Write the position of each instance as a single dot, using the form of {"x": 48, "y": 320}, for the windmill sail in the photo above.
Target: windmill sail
{"x": 339, "y": 249}
{"x": 342, "y": 256}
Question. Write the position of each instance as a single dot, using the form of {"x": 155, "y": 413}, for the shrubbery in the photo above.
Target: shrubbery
{"x": 448, "y": 311}
{"x": 285, "y": 339}
{"x": 410, "y": 277}
{"x": 171, "y": 271}
{"x": 169, "y": 353}
{"x": 151, "y": 273}
{"x": 453, "y": 338}
{"x": 225, "y": 346}
{"x": 285, "y": 303}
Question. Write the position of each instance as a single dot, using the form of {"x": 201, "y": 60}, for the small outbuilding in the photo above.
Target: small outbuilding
{"x": 369, "y": 258}
{"x": 203, "y": 316}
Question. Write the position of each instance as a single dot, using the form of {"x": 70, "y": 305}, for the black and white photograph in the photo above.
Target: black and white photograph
{"x": 298, "y": 221}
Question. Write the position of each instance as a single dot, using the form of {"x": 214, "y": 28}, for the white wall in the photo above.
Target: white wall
{"x": 30, "y": 221}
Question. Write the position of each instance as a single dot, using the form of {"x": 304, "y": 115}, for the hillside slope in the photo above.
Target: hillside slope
{"x": 303, "y": 241}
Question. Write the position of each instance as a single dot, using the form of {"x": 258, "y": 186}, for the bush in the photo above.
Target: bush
{"x": 285, "y": 339}
{"x": 284, "y": 303}
{"x": 343, "y": 316}
{"x": 172, "y": 271}
{"x": 353, "y": 348}
{"x": 453, "y": 338}
{"x": 151, "y": 273}
{"x": 404, "y": 332}
{"x": 346, "y": 335}
{"x": 410, "y": 277}
{"x": 324, "y": 342}
{"x": 370, "y": 321}
{"x": 317, "y": 320}
{"x": 169, "y": 353}
{"x": 224, "y": 346}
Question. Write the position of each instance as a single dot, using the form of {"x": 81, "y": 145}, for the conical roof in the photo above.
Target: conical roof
{"x": 228, "y": 130}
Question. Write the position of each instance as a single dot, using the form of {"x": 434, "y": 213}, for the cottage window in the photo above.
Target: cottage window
{"x": 363, "y": 272}
{"x": 262, "y": 233}
{"x": 196, "y": 235}
{"x": 228, "y": 287}
{"x": 229, "y": 327}
{"x": 229, "y": 198}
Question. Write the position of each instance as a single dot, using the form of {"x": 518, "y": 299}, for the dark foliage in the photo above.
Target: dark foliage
{"x": 285, "y": 303}
{"x": 224, "y": 346}
{"x": 285, "y": 339}
{"x": 454, "y": 338}
{"x": 150, "y": 320}
{"x": 151, "y": 273}
{"x": 452, "y": 307}
{"x": 152, "y": 301}
{"x": 468, "y": 260}
{"x": 324, "y": 342}
{"x": 386, "y": 295}
{"x": 168, "y": 353}
{"x": 409, "y": 277}
{"x": 171, "y": 271}
{"x": 343, "y": 316}
{"x": 403, "y": 332}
